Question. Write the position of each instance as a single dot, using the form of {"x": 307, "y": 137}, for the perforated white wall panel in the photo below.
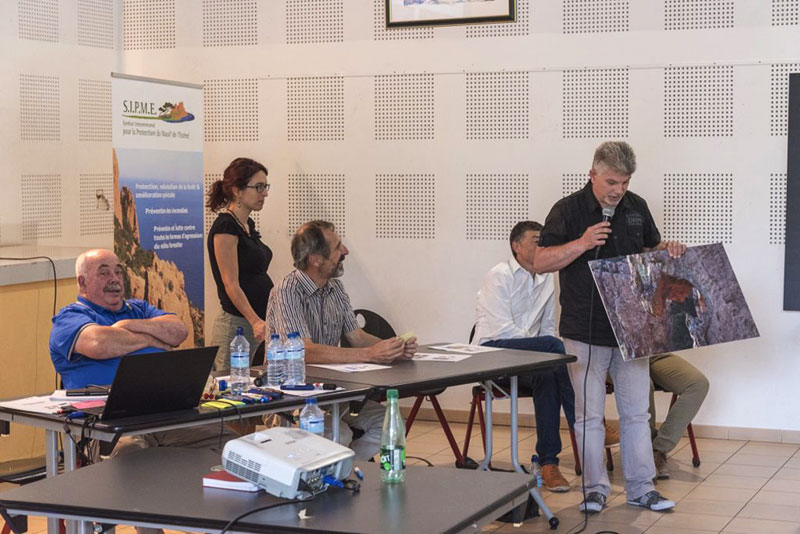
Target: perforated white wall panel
{"x": 315, "y": 108}
{"x": 38, "y": 20}
{"x": 148, "y": 24}
{"x": 697, "y": 14}
{"x": 593, "y": 16}
{"x": 405, "y": 206}
{"x": 785, "y": 12}
{"x": 698, "y": 101}
{"x": 40, "y": 107}
{"x": 317, "y": 197}
{"x": 498, "y": 105}
{"x": 96, "y": 203}
{"x": 404, "y": 106}
{"x": 777, "y": 208}
{"x": 495, "y": 203}
{"x": 520, "y": 27}
{"x": 41, "y": 206}
{"x": 231, "y": 110}
{"x": 320, "y": 21}
{"x": 96, "y": 23}
{"x": 595, "y": 103}
{"x": 94, "y": 110}
{"x": 698, "y": 208}
{"x": 230, "y": 22}
{"x": 779, "y": 96}
{"x": 572, "y": 182}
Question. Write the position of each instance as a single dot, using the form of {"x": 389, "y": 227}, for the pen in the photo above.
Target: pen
{"x": 76, "y": 415}
{"x": 325, "y": 385}
{"x": 358, "y": 473}
{"x": 297, "y": 387}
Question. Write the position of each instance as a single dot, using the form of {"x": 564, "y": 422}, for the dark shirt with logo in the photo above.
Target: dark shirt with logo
{"x": 632, "y": 230}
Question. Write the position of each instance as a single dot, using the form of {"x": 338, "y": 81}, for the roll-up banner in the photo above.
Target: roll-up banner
{"x": 157, "y": 142}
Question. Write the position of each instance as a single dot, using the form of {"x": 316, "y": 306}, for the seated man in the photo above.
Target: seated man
{"x": 515, "y": 309}
{"x": 91, "y": 335}
{"x": 673, "y": 374}
{"x": 311, "y": 300}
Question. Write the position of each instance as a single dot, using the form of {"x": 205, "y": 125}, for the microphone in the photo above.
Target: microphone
{"x": 608, "y": 213}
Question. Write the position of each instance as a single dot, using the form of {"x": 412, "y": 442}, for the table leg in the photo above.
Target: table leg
{"x": 488, "y": 396}
{"x": 70, "y": 464}
{"x": 51, "y": 469}
{"x": 515, "y": 425}
{"x": 335, "y": 422}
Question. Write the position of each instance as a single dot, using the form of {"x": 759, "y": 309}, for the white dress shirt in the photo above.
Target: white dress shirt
{"x": 513, "y": 304}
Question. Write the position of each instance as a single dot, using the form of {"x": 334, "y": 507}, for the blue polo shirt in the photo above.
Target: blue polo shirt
{"x": 77, "y": 370}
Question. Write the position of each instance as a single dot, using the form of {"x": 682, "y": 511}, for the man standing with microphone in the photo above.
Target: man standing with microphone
{"x": 604, "y": 220}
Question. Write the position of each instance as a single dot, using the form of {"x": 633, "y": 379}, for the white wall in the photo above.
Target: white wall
{"x": 561, "y": 82}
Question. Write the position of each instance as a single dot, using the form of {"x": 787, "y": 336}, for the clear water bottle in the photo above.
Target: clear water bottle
{"x": 536, "y": 471}
{"x": 312, "y": 418}
{"x": 295, "y": 359}
{"x": 276, "y": 361}
{"x": 240, "y": 363}
{"x": 393, "y": 442}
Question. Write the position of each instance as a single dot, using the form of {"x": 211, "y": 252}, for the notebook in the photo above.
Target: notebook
{"x": 157, "y": 382}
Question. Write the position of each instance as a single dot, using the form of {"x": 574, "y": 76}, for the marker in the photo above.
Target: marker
{"x": 359, "y": 473}
{"x": 76, "y": 415}
{"x": 297, "y": 387}
{"x": 325, "y": 385}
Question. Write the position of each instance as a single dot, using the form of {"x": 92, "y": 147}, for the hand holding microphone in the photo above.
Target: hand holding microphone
{"x": 596, "y": 235}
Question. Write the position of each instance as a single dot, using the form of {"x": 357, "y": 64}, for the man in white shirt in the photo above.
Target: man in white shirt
{"x": 516, "y": 309}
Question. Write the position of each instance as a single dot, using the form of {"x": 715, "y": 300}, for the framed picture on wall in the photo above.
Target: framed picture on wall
{"x": 400, "y": 13}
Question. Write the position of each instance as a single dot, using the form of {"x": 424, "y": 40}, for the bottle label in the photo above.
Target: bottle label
{"x": 240, "y": 360}
{"x": 316, "y": 426}
{"x": 393, "y": 458}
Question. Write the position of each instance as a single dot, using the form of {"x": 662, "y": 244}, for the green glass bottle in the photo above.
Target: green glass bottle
{"x": 393, "y": 442}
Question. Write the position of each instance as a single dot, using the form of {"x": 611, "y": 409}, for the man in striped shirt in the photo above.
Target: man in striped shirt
{"x": 311, "y": 300}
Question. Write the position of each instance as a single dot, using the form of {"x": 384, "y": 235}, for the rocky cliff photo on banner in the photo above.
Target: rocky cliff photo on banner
{"x": 658, "y": 304}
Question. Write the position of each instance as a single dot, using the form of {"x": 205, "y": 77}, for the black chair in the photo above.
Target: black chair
{"x": 379, "y": 327}
{"x": 22, "y": 472}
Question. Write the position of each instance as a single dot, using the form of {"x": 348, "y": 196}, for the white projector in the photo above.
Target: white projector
{"x": 278, "y": 458}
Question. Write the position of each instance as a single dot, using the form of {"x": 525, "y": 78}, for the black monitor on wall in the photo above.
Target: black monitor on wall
{"x": 791, "y": 276}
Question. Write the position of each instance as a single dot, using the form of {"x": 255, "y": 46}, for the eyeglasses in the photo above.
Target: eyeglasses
{"x": 259, "y": 187}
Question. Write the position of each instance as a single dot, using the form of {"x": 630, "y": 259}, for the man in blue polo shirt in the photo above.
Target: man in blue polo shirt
{"x": 90, "y": 335}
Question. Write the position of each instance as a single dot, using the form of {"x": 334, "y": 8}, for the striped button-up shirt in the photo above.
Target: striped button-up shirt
{"x": 320, "y": 313}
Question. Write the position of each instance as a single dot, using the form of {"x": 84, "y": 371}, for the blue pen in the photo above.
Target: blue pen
{"x": 297, "y": 387}
{"x": 76, "y": 415}
{"x": 359, "y": 473}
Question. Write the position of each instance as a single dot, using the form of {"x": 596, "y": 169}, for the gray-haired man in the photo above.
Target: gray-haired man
{"x": 311, "y": 300}
{"x": 574, "y": 234}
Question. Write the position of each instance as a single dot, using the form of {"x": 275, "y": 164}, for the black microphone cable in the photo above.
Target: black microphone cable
{"x": 608, "y": 213}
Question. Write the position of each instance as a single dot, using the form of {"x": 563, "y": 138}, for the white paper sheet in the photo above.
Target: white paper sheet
{"x": 439, "y": 357}
{"x": 41, "y": 404}
{"x": 464, "y": 348}
{"x": 352, "y": 367}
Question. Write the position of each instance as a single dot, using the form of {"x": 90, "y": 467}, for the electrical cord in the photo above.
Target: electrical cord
{"x": 421, "y": 459}
{"x": 583, "y": 433}
{"x": 55, "y": 281}
{"x": 304, "y": 486}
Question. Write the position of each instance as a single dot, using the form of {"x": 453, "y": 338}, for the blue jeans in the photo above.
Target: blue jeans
{"x": 551, "y": 390}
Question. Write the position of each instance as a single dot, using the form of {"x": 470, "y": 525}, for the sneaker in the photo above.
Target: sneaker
{"x": 652, "y": 500}
{"x": 593, "y": 504}
{"x": 660, "y": 459}
{"x": 612, "y": 433}
{"x": 553, "y": 480}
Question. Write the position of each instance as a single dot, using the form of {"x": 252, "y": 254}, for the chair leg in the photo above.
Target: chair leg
{"x": 470, "y": 420}
{"x": 413, "y": 413}
{"x": 575, "y": 453}
{"x": 446, "y": 429}
{"x": 690, "y": 431}
{"x": 609, "y": 460}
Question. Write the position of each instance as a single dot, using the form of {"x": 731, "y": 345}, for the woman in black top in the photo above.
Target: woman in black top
{"x": 239, "y": 260}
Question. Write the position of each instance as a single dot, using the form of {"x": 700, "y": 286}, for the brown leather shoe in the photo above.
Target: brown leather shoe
{"x": 660, "y": 459}
{"x": 553, "y": 480}
{"x": 612, "y": 433}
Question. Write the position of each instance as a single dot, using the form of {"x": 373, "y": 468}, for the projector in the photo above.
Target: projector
{"x": 278, "y": 458}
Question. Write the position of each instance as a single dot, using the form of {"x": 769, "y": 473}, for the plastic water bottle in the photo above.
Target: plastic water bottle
{"x": 276, "y": 361}
{"x": 295, "y": 359}
{"x": 393, "y": 442}
{"x": 312, "y": 418}
{"x": 536, "y": 471}
{"x": 240, "y": 363}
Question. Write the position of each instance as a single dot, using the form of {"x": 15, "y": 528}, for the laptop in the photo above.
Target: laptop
{"x": 157, "y": 382}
